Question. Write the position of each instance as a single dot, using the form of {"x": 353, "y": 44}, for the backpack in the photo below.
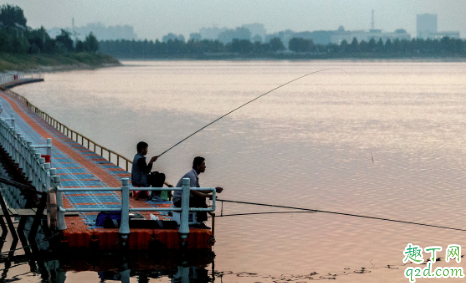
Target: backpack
{"x": 108, "y": 218}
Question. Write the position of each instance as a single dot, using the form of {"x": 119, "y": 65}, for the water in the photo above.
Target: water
{"x": 384, "y": 140}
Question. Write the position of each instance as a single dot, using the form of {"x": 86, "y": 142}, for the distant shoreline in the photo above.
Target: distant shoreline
{"x": 55, "y": 62}
{"x": 352, "y": 59}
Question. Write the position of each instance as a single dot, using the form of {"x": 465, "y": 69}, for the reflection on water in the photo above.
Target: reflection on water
{"x": 384, "y": 141}
{"x": 53, "y": 266}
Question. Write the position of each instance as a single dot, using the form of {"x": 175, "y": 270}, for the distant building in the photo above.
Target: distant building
{"x": 258, "y": 31}
{"x": 324, "y": 37}
{"x": 101, "y": 31}
{"x": 172, "y": 36}
{"x": 238, "y": 33}
{"x": 284, "y": 36}
{"x": 211, "y": 33}
{"x": 195, "y": 36}
{"x": 442, "y": 34}
{"x": 341, "y": 34}
{"x": 427, "y": 28}
{"x": 426, "y": 24}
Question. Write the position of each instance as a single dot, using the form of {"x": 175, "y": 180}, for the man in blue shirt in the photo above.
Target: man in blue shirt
{"x": 197, "y": 198}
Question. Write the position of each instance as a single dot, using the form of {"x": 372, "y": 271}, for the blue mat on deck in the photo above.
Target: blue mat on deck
{"x": 89, "y": 193}
{"x": 93, "y": 199}
{"x": 99, "y": 205}
{"x": 159, "y": 201}
{"x": 90, "y": 220}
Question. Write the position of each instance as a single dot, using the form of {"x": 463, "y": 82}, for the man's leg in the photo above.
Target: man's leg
{"x": 156, "y": 180}
{"x": 199, "y": 202}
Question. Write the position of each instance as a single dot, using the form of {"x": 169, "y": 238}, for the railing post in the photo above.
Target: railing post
{"x": 19, "y": 139}
{"x": 125, "y": 276}
{"x": 184, "y": 226}
{"x": 28, "y": 160}
{"x": 41, "y": 174}
{"x": 36, "y": 169}
{"x": 49, "y": 149}
{"x": 47, "y": 180}
{"x": 12, "y": 120}
{"x": 15, "y": 145}
{"x": 61, "y": 225}
{"x": 124, "y": 224}
{"x": 11, "y": 134}
{"x": 52, "y": 195}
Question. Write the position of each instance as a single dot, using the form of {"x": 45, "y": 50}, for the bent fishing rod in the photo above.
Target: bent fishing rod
{"x": 250, "y": 101}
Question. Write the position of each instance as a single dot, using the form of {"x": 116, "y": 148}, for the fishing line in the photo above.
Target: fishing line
{"x": 266, "y": 212}
{"x": 342, "y": 213}
{"x": 250, "y": 101}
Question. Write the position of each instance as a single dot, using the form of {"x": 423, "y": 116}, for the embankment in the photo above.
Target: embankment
{"x": 55, "y": 62}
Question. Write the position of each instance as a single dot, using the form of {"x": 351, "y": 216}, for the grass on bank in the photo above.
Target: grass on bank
{"x": 25, "y": 62}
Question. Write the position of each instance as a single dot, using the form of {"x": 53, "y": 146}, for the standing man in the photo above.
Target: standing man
{"x": 197, "y": 198}
{"x": 140, "y": 169}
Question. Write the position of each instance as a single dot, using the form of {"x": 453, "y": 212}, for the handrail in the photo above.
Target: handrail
{"x": 73, "y": 134}
{"x": 125, "y": 209}
{"x": 29, "y": 160}
{"x": 16, "y": 76}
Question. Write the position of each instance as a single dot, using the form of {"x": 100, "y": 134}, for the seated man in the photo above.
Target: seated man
{"x": 197, "y": 198}
{"x": 140, "y": 171}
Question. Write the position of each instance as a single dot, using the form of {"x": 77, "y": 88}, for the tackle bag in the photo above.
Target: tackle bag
{"x": 108, "y": 219}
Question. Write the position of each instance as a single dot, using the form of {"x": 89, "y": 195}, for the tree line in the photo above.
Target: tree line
{"x": 192, "y": 48}
{"x": 446, "y": 46}
{"x": 275, "y": 48}
{"x": 17, "y": 38}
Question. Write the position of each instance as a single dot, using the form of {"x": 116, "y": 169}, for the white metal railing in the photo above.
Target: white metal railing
{"x": 125, "y": 209}
{"x": 109, "y": 154}
{"x": 28, "y": 159}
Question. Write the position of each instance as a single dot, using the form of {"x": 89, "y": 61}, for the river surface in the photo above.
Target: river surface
{"x": 380, "y": 139}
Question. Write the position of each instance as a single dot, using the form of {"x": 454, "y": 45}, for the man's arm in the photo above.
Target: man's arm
{"x": 143, "y": 166}
{"x": 207, "y": 193}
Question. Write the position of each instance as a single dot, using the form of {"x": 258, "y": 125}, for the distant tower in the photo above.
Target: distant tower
{"x": 372, "y": 21}
{"x": 73, "y": 31}
{"x": 426, "y": 24}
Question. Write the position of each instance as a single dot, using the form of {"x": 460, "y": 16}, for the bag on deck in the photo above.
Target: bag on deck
{"x": 105, "y": 217}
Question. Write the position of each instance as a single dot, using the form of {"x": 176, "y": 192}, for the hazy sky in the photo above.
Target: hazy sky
{"x": 154, "y": 18}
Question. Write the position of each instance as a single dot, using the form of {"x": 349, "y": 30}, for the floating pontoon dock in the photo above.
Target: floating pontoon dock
{"x": 64, "y": 164}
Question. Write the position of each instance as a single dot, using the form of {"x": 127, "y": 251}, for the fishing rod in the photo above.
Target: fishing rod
{"x": 250, "y": 101}
{"x": 339, "y": 213}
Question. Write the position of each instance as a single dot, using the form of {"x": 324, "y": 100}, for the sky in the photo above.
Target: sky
{"x": 153, "y": 19}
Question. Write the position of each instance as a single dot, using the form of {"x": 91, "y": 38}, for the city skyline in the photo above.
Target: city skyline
{"x": 154, "y": 19}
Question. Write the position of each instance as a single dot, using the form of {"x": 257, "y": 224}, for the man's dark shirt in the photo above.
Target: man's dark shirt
{"x": 139, "y": 171}
{"x": 143, "y": 166}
